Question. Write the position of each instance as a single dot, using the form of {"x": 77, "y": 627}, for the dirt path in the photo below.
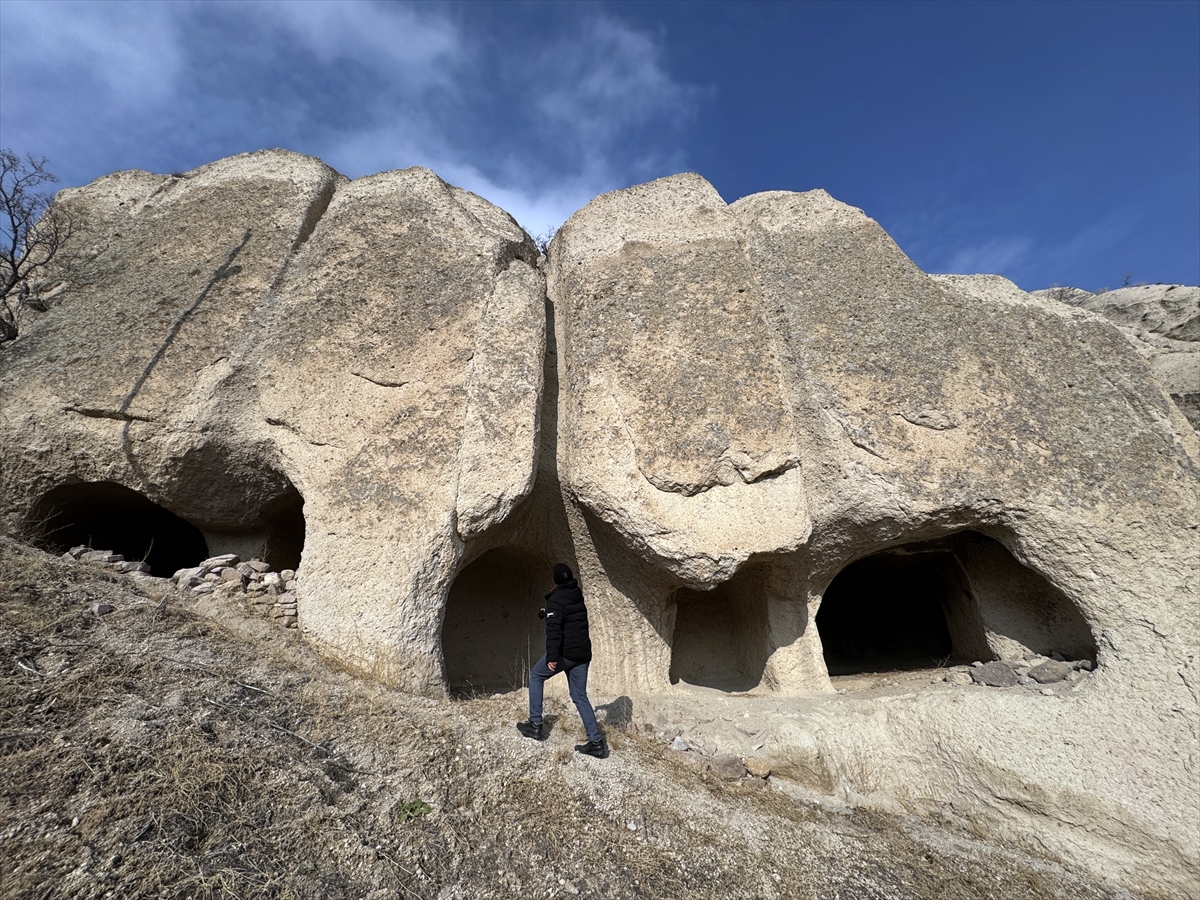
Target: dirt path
{"x": 165, "y": 750}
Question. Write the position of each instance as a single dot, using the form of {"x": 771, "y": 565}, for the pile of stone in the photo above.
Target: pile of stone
{"x": 1032, "y": 671}
{"x": 268, "y": 593}
{"x": 109, "y": 560}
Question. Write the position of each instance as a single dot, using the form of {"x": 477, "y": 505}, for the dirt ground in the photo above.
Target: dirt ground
{"x": 178, "y": 749}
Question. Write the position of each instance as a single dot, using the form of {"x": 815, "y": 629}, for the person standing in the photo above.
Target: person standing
{"x": 569, "y": 650}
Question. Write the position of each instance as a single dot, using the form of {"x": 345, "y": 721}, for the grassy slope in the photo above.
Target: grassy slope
{"x": 158, "y": 752}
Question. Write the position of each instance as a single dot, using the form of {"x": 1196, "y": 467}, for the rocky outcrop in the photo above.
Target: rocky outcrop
{"x": 774, "y": 450}
{"x": 399, "y": 375}
{"x": 1163, "y": 322}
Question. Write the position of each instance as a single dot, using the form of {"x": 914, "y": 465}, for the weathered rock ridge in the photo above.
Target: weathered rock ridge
{"x": 772, "y": 447}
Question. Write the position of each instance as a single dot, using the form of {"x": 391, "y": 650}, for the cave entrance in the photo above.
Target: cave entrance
{"x": 962, "y": 598}
{"x": 721, "y": 636}
{"x": 107, "y": 516}
{"x": 491, "y": 634}
{"x": 888, "y": 612}
{"x": 285, "y": 531}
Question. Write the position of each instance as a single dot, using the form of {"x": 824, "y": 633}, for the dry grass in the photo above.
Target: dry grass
{"x": 155, "y": 753}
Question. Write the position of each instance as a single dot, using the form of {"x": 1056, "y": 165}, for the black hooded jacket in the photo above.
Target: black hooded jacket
{"x": 567, "y": 635}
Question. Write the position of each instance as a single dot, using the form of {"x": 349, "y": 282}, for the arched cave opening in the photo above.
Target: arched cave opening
{"x": 285, "y": 531}
{"x": 888, "y": 612}
{"x": 491, "y": 633}
{"x": 107, "y": 516}
{"x": 721, "y": 636}
{"x": 962, "y": 598}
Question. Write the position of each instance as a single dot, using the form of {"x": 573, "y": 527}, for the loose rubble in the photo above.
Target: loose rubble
{"x": 1033, "y": 671}
{"x": 267, "y": 593}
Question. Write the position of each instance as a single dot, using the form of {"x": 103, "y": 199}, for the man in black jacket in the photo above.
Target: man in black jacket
{"x": 568, "y": 649}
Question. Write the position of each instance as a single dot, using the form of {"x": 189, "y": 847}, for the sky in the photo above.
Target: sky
{"x": 1052, "y": 143}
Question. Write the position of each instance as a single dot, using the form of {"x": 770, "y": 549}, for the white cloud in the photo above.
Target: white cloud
{"x": 990, "y": 257}
{"x": 395, "y": 37}
{"x": 131, "y": 48}
{"x": 538, "y": 125}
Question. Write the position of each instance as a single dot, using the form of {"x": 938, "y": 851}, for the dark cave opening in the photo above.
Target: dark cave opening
{"x": 888, "y": 612}
{"x": 961, "y": 598}
{"x": 285, "y": 531}
{"x": 491, "y": 633}
{"x": 107, "y": 516}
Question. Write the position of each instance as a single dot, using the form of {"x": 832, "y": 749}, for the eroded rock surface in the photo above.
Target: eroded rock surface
{"x": 755, "y": 430}
{"x": 1163, "y": 322}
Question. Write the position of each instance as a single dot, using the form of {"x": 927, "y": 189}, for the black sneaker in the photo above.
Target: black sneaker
{"x": 536, "y": 731}
{"x": 592, "y": 748}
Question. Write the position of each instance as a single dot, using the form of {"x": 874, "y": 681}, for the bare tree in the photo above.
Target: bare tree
{"x": 32, "y": 233}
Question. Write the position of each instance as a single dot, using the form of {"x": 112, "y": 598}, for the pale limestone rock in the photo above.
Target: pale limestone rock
{"x": 399, "y": 375}
{"x": 736, "y": 404}
{"x": 1163, "y": 322}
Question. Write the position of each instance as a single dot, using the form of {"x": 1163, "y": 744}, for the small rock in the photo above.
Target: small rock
{"x": 181, "y": 575}
{"x": 101, "y": 609}
{"x": 1074, "y": 675}
{"x": 995, "y": 674}
{"x": 1085, "y": 664}
{"x": 289, "y": 623}
{"x": 256, "y": 586}
{"x": 727, "y": 767}
{"x": 959, "y": 678}
{"x": 271, "y": 578}
{"x": 258, "y": 565}
{"x": 204, "y": 587}
{"x": 1050, "y": 671}
{"x": 76, "y": 552}
{"x": 1047, "y": 692}
{"x": 232, "y": 575}
{"x": 976, "y": 664}
{"x": 246, "y": 570}
{"x": 686, "y": 756}
{"x": 68, "y": 557}
{"x": 220, "y": 562}
{"x": 1025, "y": 680}
{"x": 288, "y": 575}
{"x": 212, "y": 577}
{"x": 759, "y": 768}
{"x": 132, "y": 567}
{"x": 191, "y": 581}
{"x": 289, "y": 585}
{"x": 678, "y": 743}
{"x": 101, "y": 556}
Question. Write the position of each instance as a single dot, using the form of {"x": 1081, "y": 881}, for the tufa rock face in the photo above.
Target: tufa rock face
{"x": 1163, "y": 323}
{"x": 399, "y": 374}
{"x": 771, "y": 447}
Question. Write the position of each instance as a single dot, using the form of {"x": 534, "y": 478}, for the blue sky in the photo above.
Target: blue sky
{"x": 1051, "y": 143}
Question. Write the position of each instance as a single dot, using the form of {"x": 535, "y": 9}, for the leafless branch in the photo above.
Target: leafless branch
{"x": 33, "y": 231}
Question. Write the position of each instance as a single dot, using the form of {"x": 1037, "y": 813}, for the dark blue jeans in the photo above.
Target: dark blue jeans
{"x": 576, "y": 683}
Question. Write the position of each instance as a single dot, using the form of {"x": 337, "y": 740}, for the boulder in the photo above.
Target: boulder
{"x": 399, "y": 376}
{"x": 737, "y": 408}
{"x": 1162, "y": 321}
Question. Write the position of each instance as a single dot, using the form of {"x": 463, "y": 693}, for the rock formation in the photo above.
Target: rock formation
{"x": 1163, "y": 322}
{"x": 773, "y": 449}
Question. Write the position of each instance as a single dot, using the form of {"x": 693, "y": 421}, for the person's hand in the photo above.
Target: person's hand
{"x": 542, "y": 613}
{"x": 552, "y": 666}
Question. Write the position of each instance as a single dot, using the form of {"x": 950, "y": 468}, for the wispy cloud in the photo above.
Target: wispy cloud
{"x": 991, "y": 257}
{"x": 538, "y": 126}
